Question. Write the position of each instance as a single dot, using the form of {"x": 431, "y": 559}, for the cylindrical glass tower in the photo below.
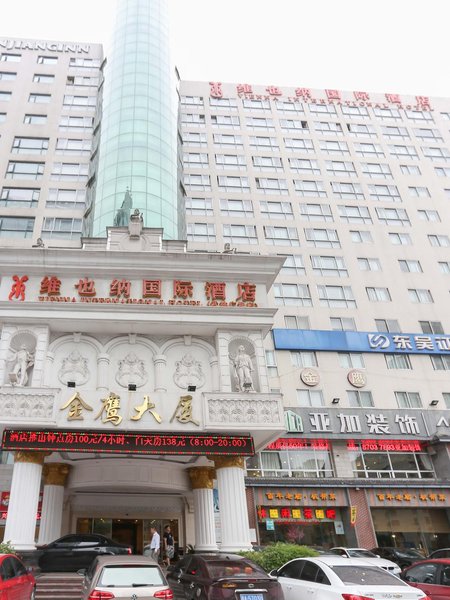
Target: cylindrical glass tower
{"x": 137, "y": 148}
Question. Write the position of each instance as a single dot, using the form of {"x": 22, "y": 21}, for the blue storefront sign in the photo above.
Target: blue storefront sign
{"x": 361, "y": 341}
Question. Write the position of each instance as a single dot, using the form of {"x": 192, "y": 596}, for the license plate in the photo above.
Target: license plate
{"x": 251, "y": 596}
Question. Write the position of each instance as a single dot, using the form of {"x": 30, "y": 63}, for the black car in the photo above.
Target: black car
{"x": 403, "y": 557}
{"x": 441, "y": 553}
{"x": 76, "y": 551}
{"x": 221, "y": 577}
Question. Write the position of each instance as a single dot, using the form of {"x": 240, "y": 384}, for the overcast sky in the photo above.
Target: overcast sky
{"x": 395, "y": 46}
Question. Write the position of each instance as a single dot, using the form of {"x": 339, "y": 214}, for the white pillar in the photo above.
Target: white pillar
{"x": 102, "y": 373}
{"x": 204, "y": 527}
{"x": 55, "y": 475}
{"x": 215, "y": 376}
{"x": 233, "y": 504}
{"x": 24, "y": 499}
{"x": 49, "y": 370}
{"x": 160, "y": 361}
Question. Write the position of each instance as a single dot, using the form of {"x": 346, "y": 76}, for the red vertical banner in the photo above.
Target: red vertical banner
{"x": 352, "y": 516}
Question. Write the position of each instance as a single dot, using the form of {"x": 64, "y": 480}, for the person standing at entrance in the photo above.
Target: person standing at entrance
{"x": 169, "y": 548}
{"x": 155, "y": 543}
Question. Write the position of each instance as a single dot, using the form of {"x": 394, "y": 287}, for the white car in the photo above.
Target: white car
{"x": 372, "y": 558}
{"x": 336, "y": 578}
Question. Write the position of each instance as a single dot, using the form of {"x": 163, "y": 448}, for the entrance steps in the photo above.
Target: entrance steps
{"x": 58, "y": 586}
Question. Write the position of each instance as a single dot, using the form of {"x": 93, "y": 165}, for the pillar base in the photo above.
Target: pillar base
{"x": 234, "y": 549}
{"x": 206, "y": 548}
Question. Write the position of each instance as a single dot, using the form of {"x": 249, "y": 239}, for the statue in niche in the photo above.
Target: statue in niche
{"x": 23, "y": 360}
{"x": 188, "y": 372}
{"x": 243, "y": 368}
{"x": 131, "y": 370}
{"x": 74, "y": 368}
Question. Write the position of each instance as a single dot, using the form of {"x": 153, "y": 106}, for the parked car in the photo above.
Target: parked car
{"x": 76, "y": 551}
{"x": 336, "y": 577}
{"x": 221, "y": 577}
{"x": 124, "y": 577}
{"x": 369, "y": 556}
{"x": 441, "y": 553}
{"x": 430, "y": 576}
{"x": 16, "y": 582}
{"x": 403, "y": 557}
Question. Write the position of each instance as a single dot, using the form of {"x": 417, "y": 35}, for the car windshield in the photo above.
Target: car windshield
{"x": 358, "y": 553}
{"x": 352, "y": 574}
{"x": 409, "y": 552}
{"x": 130, "y": 576}
{"x": 229, "y": 568}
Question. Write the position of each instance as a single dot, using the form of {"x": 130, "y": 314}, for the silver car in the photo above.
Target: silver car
{"x": 130, "y": 577}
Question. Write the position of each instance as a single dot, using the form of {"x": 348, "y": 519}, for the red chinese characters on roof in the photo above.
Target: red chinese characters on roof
{"x": 18, "y": 288}
{"x": 50, "y": 285}
{"x": 216, "y": 89}
{"x": 333, "y": 94}
{"x": 364, "y": 96}
{"x": 244, "y": 88}
{"x": 393, "y": 98}
{"x": 86, "y": 287}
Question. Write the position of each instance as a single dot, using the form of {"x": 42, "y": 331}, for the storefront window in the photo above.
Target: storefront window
{"x": 307, "y": 461}
{"x": 393, "y": 465}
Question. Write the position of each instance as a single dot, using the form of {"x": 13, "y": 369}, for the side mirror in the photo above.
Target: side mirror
{"x": 82, "y": 572}
{"x": 273, "y": 573}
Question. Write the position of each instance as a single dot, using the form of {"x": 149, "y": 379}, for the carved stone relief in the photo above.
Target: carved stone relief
{"x": 74, "y": 368}
{"x": 188, "y": 371}
{"x": 131, "y": 369}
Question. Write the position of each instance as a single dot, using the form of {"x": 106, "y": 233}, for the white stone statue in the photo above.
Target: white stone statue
{"x": 23, "y": 360}
{"x": 243, "y": 368}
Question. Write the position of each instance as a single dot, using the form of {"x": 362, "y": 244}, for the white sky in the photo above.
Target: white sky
{"x": 395, "y": 46}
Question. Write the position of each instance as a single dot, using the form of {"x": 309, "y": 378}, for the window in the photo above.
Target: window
{"x": 58, "y": 228}
{"x": 194, "y": 139}
{"x": 259, "y": 122}
{"x": 355, "y": 111}
{"x": 336, "y": 296}
{"x": 378, "y": 294}
{"x": 400, "y": 239}
{"x": 419, "y": 115}
{"x": 446, "y": 397}
{"x": 303, "y": 359}
{"x": 444, "y": 267}
{"x": 240, "y": 234}
{"x": 24, "y": 170}
{"x": 368, "y": 149}
{"x": 410, "y": 170}
{"x": 384, "y": 193}
{"x": 397, "y": 361}
{"x": 442, "y": 241}
{"x": 431, "y": 327}
{"x": 293, "y": 125}
{"x": 257, "y": 104}
{"x": 440, "y": 363}
{"x": 343, "y": 323}
{"x": 313, "y": 189}
{"x": 228, "y": 103}
{"x": 276, "y": 210}
{"x": 2, "y": 117}
{"x": 327, "y": 128}
{"x": 18, "y": 227}
{"x": 85, "y": 63}
{"x": 230, "y": 183}
{"x": 271, "y": 363}
{"x": 267, "y": 163}
{"x": 39, "y": 98}
{"x": 201, "y": 232}
{"x": 329, "y": 266}
{"x": 351, "y": 360}
{"x": 403, "y": 151}
{"x": 80, "y": 123}
{"x": 321, "y": 109}
{"x": 5, "y": 57}
{"x": 227, "y": 139}
{"x": 332, "y": 147}
{"x": 428, "y": 134}
{"x": 393, "y": 216}
{"x": 322, "y": 238}
{"x": 359, "y": 399}
{"x": 227, "y": 121}
{"x": 361, "y": 237}
{"x": 391, "y": 114}
{"x": 25, "y": 145}
{"x": 79, "y": 101}
{"x": 307, "y": 461}
{"x": 70, "y": 171}
{"x": 429, "y": 215}
{"x": 391, "y": 132}
{"x": 442, "y": 171}
{"x": 316, "y": 212}
{"x": 20, "y": 197}
{"x": 408, "y": 399}
{"x": 391, "y": 464}
{"x": 199, "y": 183}
{"x": 387, "y": 325}
{"x": 310, "y": 398}
{"x": 62, "y": 198}
{"x": 340, "y": 168}
{"x": 354, "y": 214}
{"x": 288, "y": 107}
{"x": 5, "y": 96}
{"x": 195, "y": 159}
{"x": 295, "y": 322}
{"x": 293, "y": 265}
{"x": 376, "y": 170}
{"x": 369, "y": 264}
{"x": 191, "y": 101}
{"x": 304, "y": 165}
{"x": 199, "y": 206}
{"x": 361, "y": 129}
{"x": 7, "y": 76}
{"x": 347, "y": 190}
{"x": 192, "y": 119}
{"x": 303, "y": 145}
{"x": 264, "y": 142}
{"x": 236, "y": 208}
{"x": 420, "y": 296}
{"x": 271, "y": 185}
{"x": 72, "y": 146}
{"x": 47, "y": 60}
{"x": 281, "y": 236}
{"x": 410, "y": 266}
{"x": 419, "y": 191}
{"x": 292, "y": 294}
{"x": 436, "y": 154}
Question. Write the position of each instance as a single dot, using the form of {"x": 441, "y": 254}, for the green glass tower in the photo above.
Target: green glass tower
{"x": 135, "y": 162}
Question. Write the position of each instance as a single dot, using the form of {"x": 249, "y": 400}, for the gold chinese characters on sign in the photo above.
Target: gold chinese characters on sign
{"x": 183, "y": 411}
{"x": 76, "y": 404}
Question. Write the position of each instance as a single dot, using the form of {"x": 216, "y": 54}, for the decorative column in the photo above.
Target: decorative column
{"x": 160, "y": 361}
{"x": 233, "y": 503}
{"x": 24, "y": 498}
{"x": 215, "y": 377}
{"x": 102, "y": 373}
{"x": 48, "y": 370}
{"x": 202, "y": 485}
{"x": 55, "y": 476}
